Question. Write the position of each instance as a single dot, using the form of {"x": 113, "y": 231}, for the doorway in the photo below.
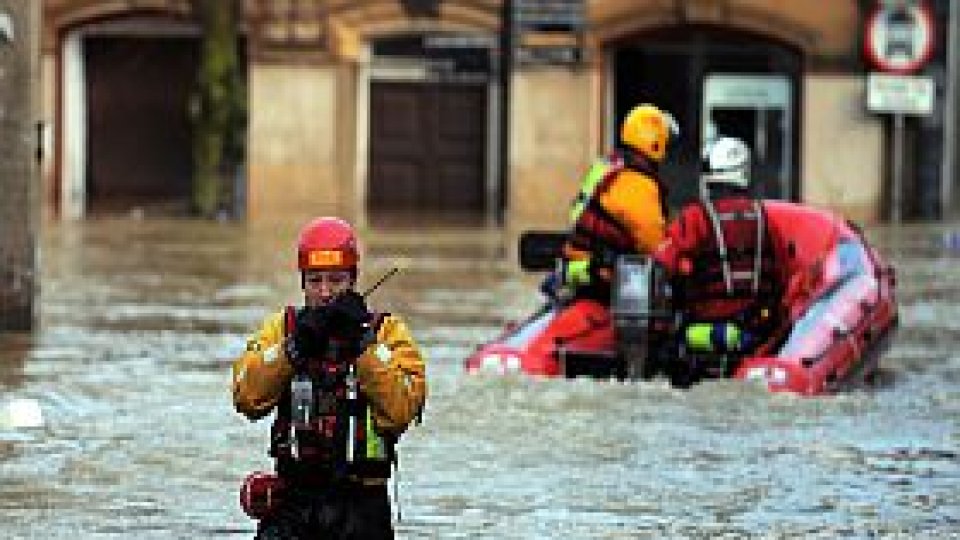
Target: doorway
{"x": 757, "y": 109}
{"x": 139, "y": 135}
{"x": 427, "y": 151}
{"x": 743, "y": 84}
{"x": 432, "y": 130}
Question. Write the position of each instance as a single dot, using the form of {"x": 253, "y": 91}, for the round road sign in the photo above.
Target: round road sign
{"x": 899, "y": 36}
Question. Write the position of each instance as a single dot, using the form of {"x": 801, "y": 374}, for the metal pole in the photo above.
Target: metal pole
{"x": 506, "y": 71}
{"x": 896, "y": 189}
{"x": 948, "y": 176}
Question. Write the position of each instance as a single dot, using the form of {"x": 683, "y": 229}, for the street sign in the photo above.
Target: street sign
{"x": 900, "y": 94}
{"x": 548, "y": 31}
{"x": 549, "y": 15}
{"x": 899, "y": 36}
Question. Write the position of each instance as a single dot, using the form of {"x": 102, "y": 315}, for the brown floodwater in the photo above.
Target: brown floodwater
{"x": 139, "y": 320}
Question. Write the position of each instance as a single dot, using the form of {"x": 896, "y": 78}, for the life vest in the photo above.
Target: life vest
{"x": 733, "y": 269}
{"x": 595, "y": 230}
{"x": 323, "y": 429}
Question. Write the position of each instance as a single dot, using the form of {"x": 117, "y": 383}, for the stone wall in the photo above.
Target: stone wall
{"x": 292, "y": 158}
{"x": 552, "y": 116}
{"x": 19, "y": 206}
{"x": 842, "y": 148}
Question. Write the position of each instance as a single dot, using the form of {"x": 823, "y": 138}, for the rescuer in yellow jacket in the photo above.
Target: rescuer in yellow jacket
{"x": 621, "y": 206}
{"x": 344, "y": 383}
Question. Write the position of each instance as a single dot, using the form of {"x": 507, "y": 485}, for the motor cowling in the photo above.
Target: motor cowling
{"x": 643, "y": 314}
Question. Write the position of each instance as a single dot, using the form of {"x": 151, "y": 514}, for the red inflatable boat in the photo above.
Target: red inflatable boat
{"x": 840, "y": 314}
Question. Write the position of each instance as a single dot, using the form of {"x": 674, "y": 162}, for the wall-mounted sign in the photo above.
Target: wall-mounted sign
{"x": 899, "y": 36}
{"x": 548, "y": 15}
{"x": 548, "y": 31}
{"x": 449, "y": 57}
{"x": 900, "y": 94}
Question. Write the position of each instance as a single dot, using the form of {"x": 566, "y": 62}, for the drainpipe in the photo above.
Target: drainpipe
{"x": 948, "y": 206}
{"x": 506, "y": 44}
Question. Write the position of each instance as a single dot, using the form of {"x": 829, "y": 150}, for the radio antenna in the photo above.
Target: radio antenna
{"x": 380, "y": 281}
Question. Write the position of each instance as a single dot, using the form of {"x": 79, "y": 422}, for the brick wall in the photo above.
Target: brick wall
{"x": 19, "y": 207}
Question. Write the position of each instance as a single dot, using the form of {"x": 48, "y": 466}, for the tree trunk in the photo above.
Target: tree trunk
{"x": 218, "y": 109}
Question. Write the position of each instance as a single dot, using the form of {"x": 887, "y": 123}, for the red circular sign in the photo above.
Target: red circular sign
{"x": 899, "y": 36}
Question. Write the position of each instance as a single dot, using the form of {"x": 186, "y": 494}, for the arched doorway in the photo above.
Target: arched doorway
{"x": 716, "y": 79}
{"x": 125, "y": 135}
{"x": 139, "y": 144}
{"x": 124, "y": 130}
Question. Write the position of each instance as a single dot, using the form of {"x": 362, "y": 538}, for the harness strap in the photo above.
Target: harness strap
{"x": 721, "y": 243}
{"x": 281, "y": 430}
{"x": 758, "y": 211}
{"x": 289, "y": 320}
{"x": 617, "y": 164}
{"x": 716, "y": 217}
{"x": 639, "y": 163}
{"x": 596, "y": 227}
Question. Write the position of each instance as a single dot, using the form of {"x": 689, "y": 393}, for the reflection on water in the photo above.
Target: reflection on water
{"x": 130, "y": 368}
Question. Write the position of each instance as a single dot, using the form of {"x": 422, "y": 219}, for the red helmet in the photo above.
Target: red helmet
{"x": 327, "y": 243}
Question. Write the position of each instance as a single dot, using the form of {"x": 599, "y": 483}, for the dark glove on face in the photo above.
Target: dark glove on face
{"x": 309, "y": 337}
{"x": 348, "y": 309}
{"x": 349, "y": 319}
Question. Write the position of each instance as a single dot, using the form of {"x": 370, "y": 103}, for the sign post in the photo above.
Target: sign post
{"x": 896, "y": 189}
{"x": 899, "y": 41}
{"x": 899, "y": 95}
{"x": 951, "y": 161}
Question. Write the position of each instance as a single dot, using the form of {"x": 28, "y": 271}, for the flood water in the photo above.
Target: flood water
{"x": 130, "y": 369}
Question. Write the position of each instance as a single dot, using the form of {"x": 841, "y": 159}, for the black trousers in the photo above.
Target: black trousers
{"x": 347, "y": 511}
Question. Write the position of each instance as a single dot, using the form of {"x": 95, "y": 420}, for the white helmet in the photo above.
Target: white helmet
{"x": 728, "y": 162}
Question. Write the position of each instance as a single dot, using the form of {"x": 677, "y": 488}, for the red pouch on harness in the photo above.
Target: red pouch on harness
{"x": 261, "y": 494}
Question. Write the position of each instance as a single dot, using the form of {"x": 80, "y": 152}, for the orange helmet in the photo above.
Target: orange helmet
{"x": 649, "y": 130}
{"x": 327, "y": 243}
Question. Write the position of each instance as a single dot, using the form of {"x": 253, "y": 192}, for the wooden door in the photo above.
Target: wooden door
{"x": 427, "y": 151}
{"x": 138, "y": 129}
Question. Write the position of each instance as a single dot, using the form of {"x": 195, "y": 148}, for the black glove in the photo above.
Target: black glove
{"x": 602, "y": 258}
{"x": 309, "y": 337}
{"x": 348, "y": 319}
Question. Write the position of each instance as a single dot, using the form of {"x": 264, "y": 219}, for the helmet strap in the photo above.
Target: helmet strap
{"x": 638, "y": 162}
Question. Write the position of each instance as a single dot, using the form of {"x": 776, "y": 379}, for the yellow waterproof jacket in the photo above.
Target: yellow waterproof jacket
{"x": 632, "y": 200}
{"x": 391, "y": 374}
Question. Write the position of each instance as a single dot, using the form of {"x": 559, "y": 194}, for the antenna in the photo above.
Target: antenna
{"x": 380, "y": 281}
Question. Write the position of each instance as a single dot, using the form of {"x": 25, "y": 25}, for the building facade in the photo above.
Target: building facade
{"x": 396, "y": 111}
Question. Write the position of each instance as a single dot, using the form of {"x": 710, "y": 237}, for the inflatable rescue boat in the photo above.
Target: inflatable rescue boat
{"x": 839, "y": 307}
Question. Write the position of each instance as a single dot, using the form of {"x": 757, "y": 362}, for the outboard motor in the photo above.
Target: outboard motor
{"x": 643, "y": 316}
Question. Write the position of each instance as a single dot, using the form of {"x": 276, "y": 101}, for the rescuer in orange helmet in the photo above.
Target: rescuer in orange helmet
{"x": 344, "y": 383}
{"x": 620, "y": 208}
